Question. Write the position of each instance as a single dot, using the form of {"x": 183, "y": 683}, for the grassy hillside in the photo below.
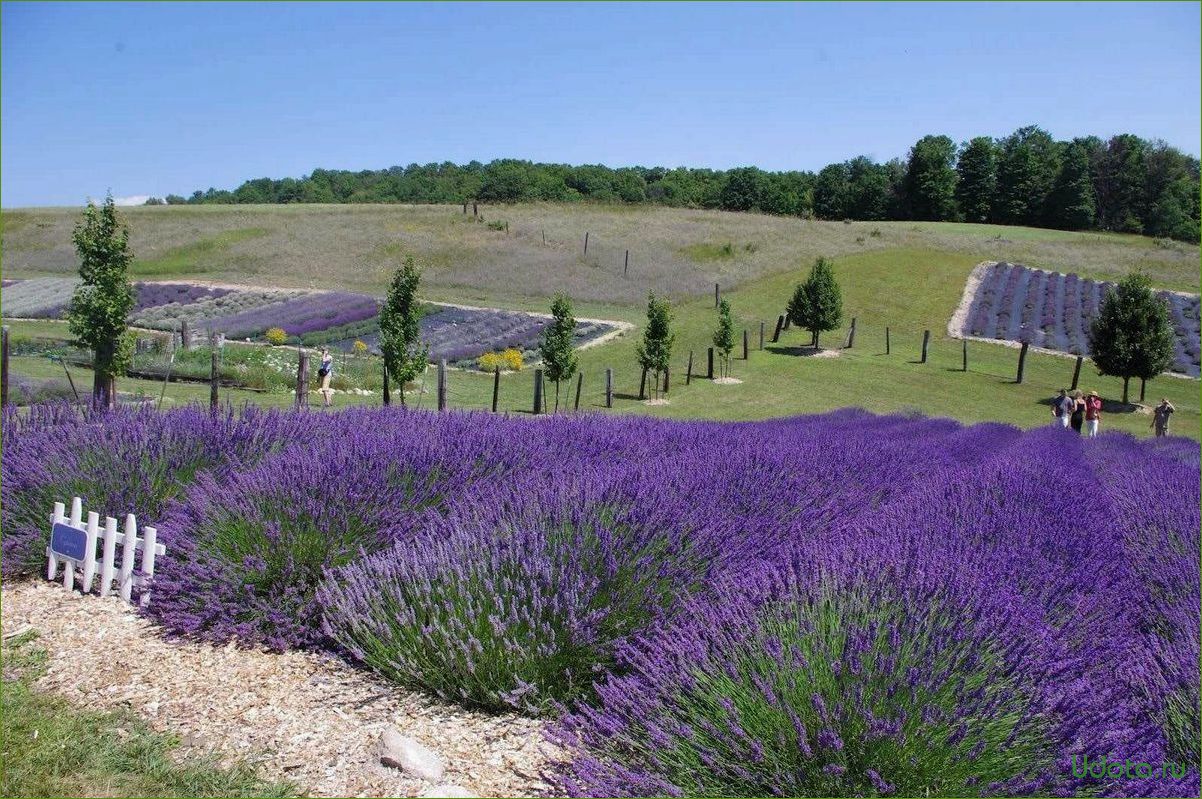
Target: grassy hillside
{"x": 679, "y": 252}
{"x": 910, "y": 277}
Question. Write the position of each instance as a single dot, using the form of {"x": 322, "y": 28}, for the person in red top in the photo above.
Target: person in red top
{"x": 1093, "y": 414}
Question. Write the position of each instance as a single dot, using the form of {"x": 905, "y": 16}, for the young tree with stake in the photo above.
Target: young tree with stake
{"x": 724, "y": 336}
{"x": 817, "y": 304}
{"x": 655, "y": 350}
{"x": 1132, "y": 335}
{"x": 558, "y": 354}
{"x": 405, "y": 357}
{"x": 104, "y": 297}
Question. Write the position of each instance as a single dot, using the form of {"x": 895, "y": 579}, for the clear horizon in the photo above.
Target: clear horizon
{"x": 150, "y": 99}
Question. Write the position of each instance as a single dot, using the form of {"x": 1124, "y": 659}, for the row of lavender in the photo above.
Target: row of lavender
{"x": 692, "y": 610}
{"x": 1053, "y": 310}
{"x": 328, "y": 317}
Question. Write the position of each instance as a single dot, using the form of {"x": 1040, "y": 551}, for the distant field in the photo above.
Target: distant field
{"x": 679, "y": 252}
{"x": 908, "y": 276}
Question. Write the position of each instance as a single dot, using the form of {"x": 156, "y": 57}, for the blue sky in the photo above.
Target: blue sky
{"x": 147, "y": 99}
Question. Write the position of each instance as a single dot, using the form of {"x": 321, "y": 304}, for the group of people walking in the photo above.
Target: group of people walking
{"x": 1079, "y": 410}
{"x": 1076, "y": 410}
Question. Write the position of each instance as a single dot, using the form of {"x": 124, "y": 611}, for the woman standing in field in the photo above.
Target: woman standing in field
{"x": 325, "y": 372}
{"x": 1093, "y": 414}
{"x": 1077, "y": 418}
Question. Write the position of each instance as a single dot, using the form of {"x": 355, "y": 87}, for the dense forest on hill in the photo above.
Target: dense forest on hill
{"x": 1126, "y": 184}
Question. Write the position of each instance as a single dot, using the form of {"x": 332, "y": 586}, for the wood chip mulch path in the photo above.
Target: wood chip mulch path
{"x": 304, "y": 717}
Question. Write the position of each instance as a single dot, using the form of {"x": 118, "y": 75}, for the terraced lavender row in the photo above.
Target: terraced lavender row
{"x": 1054, "y": 310}
{"x": 692, "y": 612}
{"x": 462, "y": 334}
{"x": 151, "y": 295}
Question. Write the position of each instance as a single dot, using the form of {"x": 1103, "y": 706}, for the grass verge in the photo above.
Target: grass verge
{"x": 51, "y": 748}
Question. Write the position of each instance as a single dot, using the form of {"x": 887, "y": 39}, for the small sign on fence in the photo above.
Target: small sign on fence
{"x": 73, "y": 544}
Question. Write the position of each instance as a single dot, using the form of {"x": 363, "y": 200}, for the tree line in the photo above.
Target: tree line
{"x": 1124, "y": 184}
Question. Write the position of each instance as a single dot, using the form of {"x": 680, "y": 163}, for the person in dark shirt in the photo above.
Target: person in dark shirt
{"x": 1160, "y": 417}
{"x": 1062, "y": 409}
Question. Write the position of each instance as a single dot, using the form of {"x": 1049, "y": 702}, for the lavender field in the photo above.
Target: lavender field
{"x": 821, "y": 605}
{"x": 337, "y": 318}
{"x": 461, "y": 334}
{"x": 1053, "y": 310}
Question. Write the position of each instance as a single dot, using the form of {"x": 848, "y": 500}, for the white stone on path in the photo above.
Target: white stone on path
{"x": 447, "y": 791}
{"x": 404, "y": 753}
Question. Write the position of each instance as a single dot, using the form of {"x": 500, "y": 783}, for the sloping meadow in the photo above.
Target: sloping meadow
{"x": 844, "y": 604}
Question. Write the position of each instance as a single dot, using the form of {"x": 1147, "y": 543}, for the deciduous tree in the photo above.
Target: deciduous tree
{"x": 104, "y": 297}
{"x": 405, "y": 356}
{"x": 724, "y": 336}
{"x": 556, "y": 348}
{"x": 1132, "y": 335}
{"x": 654, "y": 352}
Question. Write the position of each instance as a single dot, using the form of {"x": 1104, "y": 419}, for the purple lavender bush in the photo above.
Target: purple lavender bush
{"x": 522, "y": 606}
{"x": 117, "y": 462}
{"x": 249, "y": 551}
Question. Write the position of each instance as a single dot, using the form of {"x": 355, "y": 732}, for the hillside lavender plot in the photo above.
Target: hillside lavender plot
{"x": 841, "y": 605}
{"x": 1053, "y": 310}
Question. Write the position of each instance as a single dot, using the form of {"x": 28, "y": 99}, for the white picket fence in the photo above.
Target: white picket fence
{"x": 108, "y": 539}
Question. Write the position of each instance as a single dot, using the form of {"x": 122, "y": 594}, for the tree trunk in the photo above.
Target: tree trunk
{"x": 815, "y": 340}
{"x": 1143, "y": 385}
{"x": 1126, "y": 383}
{"x": 556, "y": 397}
{"x": 387, "y": 394}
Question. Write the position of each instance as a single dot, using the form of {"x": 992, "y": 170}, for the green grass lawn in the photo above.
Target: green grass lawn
{"x": 908, "y": 290}
{"x": 51, "y": 748}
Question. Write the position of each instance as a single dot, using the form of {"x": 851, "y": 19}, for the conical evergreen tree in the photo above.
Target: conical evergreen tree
{"x": 817, "y": 304}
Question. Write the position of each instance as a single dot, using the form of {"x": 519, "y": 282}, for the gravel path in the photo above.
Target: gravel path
{"x": 304, "y": 717}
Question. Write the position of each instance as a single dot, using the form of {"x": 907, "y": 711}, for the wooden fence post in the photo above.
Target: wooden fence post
{"x": 544, "y": 238}
{"x": 761, "y": 334}
{"x": 475, "y": 210}
{"x": 506, "y": 227}
{"x": 1076, "y": 373}
{"x": 579, "y": 386}
{"x": 744, "y": 343}
{"x": 496, "y": 387}
{"x": 643, "y": 384}
{"x": 886, "y": 339}
{"x": 788, "y": 322}
{"x": 626, "y": 266}
{"x": 302, "y": 380}
{"x": 609, "y": 388}
{"x": 4, "y": 368}
{"x": 538, "y": 391}
{"x": 1022, "y": 361}
{"x": 586, "y": 242}
{"x": 851, "y": 334}
{"x": 709, "y": 364}
{"x": 185, "y": 335}
{"x": 965, "y": 347}
{"x": 442, "y": 384}
{"x": 688, "y": 374}
{"x": 717, "y": 295}
{"x": 780, "y": 324}
{"x": 214, "y": 374}
{"x": 926, "y": 340}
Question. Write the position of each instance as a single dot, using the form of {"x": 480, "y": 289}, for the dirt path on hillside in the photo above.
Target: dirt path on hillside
{"x": 303, "y": 717}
